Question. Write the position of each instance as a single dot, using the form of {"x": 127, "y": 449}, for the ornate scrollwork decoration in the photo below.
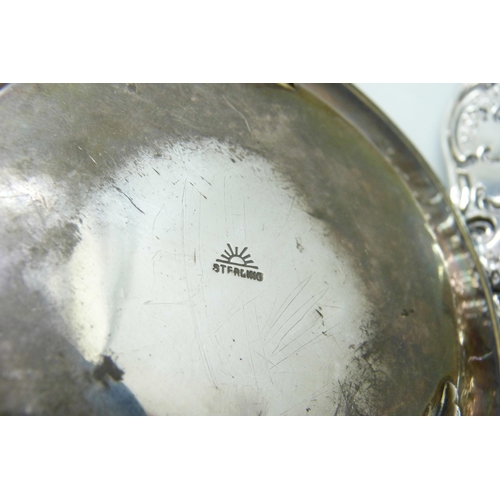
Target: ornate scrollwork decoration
{"x": 472, "y": 149}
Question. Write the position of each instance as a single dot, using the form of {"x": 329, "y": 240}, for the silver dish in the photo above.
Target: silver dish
{"x": 231, "y": 250}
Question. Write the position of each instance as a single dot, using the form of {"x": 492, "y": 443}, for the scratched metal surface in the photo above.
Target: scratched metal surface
{"x": 217, "y": 250}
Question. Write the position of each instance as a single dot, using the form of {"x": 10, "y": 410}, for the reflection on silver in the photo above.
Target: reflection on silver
{"x": 472, "y": 149}
{"x": 228, "y": 250}
{"x": 179, "y": 210}
{"x": 445, "y": 402}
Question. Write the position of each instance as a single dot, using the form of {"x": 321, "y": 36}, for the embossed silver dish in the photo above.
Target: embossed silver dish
{"x": 231, "y": 250}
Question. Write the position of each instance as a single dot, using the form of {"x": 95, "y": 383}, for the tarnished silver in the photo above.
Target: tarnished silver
{"x": 229, "y": 250}
{"x": 472, "y": 149}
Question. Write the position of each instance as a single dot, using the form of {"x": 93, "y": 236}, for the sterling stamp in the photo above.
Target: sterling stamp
{"x": 237, "y": 264}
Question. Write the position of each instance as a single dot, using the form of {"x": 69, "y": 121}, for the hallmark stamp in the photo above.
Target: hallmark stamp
{"x": 237, "y": 264}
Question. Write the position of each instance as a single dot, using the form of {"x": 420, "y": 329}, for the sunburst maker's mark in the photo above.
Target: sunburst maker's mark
{"x": 237, "y": 264}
